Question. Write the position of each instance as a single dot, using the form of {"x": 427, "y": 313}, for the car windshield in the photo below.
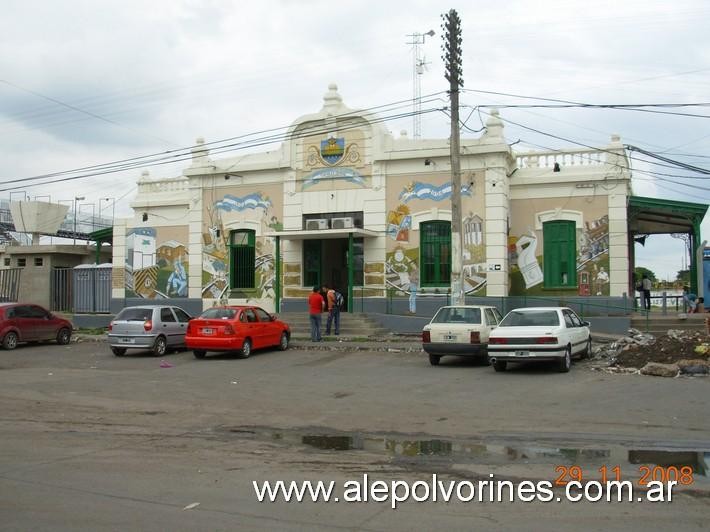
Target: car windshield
{"x": 135, "y": 314}
{"x": 219, "y": 314}
{"x": 531, "y": 318}
{"x": 458, "y": 315}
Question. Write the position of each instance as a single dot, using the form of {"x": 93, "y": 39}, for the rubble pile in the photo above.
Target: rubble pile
{"x": 677, "y": 352}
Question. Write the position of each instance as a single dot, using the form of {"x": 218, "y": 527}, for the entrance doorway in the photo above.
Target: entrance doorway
{"x": 325, "y": 261}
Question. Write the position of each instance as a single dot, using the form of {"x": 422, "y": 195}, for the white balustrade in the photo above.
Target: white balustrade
{"x": 565, "y": 158}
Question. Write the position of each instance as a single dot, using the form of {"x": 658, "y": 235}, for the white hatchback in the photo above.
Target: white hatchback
{"x": 461, "y": 330}
{"x": 540, "y": 333}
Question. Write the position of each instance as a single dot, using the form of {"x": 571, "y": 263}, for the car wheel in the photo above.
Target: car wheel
{"x": 283, "y": 344}
{"x": 63, "y": 336}
{"x": 199, "y": 353}
{"x": 434, "y": 360}
{"x": 160, "y": 346}
{"x": 10, "y": 340}
{"x": 500, "y": 365}
{"x": 588, "y": 350}
{"x": 118, "y": 351}
{"x": 566, "y": 361}
{"x": 246, "y": 349}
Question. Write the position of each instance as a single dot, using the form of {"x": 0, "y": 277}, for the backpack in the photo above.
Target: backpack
{"x": 339, "y": 301}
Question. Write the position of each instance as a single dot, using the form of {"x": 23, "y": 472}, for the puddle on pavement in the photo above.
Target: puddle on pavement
{"x": 477, "y": 452}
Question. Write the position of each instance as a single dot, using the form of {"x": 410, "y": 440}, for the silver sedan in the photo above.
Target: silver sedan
{"x": 150, "y": 327}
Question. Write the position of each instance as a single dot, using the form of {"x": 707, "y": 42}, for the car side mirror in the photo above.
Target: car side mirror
{"x": 586, "y": 324}
{"x": 272, "y": 317}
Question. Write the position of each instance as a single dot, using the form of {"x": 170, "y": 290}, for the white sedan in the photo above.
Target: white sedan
{"x": 541, "y": 333}
{"x": 461, "y": 330}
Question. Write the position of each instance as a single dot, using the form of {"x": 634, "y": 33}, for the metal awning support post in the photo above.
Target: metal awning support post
{"x": 694, "y": 243}
{"x": 277, "y": 272}
{"x": 351, "y": 270}
{"x": 351, "y": 273}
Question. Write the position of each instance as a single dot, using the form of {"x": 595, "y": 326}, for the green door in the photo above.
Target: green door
{"x": 242, "y": 256}
{"x": 435, "y": 255}
{"x": 560, "y": 254}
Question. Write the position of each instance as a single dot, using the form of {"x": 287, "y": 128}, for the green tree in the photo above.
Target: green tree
{"x": 640, "y": 271}
{"x": 683, "y": 277}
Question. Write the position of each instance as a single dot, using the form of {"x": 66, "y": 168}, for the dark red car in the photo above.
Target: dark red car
{"x": 236, "y": 328}
{"x": 24, "y": 322}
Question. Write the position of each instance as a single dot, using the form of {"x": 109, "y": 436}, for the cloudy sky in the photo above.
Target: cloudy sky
{"x": 84, "y": 83}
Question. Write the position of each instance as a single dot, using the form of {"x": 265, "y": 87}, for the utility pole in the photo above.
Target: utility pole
{"x": 452, "y": 60}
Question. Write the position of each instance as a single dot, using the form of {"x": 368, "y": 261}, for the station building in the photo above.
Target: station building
{"x": 344, "y": 202}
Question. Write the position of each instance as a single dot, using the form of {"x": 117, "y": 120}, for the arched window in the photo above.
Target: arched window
{"x": 435, "y": 253}
{"x": 242, "y": 256}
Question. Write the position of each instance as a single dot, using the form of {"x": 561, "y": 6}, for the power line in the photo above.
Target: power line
{"x": 690, "y": 167}
{"x": 79, "y": 110}
{"x": 219, "y": 146}
{"x": 178, "y": 157}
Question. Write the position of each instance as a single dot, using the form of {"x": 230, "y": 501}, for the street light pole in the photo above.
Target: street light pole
{"x": 76, "y": 198}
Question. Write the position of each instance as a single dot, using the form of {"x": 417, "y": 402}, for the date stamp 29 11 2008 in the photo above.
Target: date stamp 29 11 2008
{"x": 682, "y": 475}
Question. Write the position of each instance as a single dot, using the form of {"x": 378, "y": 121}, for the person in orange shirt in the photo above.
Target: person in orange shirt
{"x": 315, "y": 307}
{"x": 333, "y": 311}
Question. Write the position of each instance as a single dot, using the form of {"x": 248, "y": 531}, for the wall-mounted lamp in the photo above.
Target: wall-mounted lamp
{"x": 145, "y": 216}
{"x": 228, "y": 176}
{"x": 556, "y": 168}
{"x": 641, "y": 239}
{"x": 428, "y": 162}
{"x": 217, "y": 233}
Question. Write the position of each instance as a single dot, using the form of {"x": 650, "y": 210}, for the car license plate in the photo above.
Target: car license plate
{"x": 207, "y": 331}
{"x": 127, "y": 340}
{"x": 449, "y": 337}
{"x": 522, "y": 353}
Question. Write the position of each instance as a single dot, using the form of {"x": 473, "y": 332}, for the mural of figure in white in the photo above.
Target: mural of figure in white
{"x": 177, "y": 282}
{"x": 527, "y": 261}
{"x": 602, "y": 279}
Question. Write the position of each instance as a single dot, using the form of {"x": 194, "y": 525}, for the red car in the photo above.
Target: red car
{"x": 236, "y": 328}
{"x": 24, "y": 322}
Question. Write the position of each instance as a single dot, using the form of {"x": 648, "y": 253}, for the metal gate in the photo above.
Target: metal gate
{"x": 92, "y": 288}
{"x": 9, "y": 284}
{"x": 60, "y": 289}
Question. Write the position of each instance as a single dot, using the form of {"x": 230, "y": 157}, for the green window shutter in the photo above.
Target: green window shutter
{"x": 435, "y": 254}
{"x": 242, "y": 258}
{"x": 312, "y": 262}
{"x": 559, "y": 254}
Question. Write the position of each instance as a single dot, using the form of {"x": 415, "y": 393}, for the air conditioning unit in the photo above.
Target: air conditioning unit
{"x": 316, "y": 224}
{"x": 343, "y": 223}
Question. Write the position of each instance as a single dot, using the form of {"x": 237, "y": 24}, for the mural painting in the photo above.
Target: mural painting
{"x": 156, "y": 262}
{"x": 527, "y": 261}
{"x": 254, "y": 211}
{"x": 593, "y": 258}
{"x": 416, "y": 200}
{"x": 399, "y": 223}
{"x": 398, "y": 266}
